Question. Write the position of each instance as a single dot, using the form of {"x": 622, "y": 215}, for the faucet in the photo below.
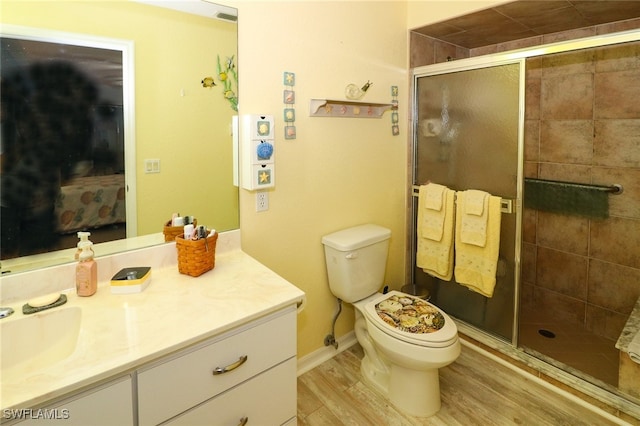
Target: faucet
{"x": 5, "y": 312}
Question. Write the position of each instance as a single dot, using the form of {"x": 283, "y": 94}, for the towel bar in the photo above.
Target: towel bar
{"x": 506, "y": 204}
{"x": 614, "y": 189}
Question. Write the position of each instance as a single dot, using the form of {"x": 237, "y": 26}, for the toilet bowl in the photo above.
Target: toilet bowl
{"x": 400, "y": 363}
{"x": 405, "y": 338}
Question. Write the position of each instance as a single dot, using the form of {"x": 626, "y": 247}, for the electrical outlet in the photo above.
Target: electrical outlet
{"x": 262, "y": 201}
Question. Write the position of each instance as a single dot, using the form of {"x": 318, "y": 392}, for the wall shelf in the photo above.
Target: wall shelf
{"x": 352, "y": 109}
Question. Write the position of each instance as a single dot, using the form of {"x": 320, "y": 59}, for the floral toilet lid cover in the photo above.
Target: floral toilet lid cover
{"x": 410, "y": 314}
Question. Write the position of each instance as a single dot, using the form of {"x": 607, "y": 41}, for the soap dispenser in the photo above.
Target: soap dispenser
{"x": 86, "y": 271}
{"x": 84, "y": 238}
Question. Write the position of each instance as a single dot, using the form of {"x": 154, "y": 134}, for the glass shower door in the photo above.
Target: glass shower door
{"x": 468, "y": 135}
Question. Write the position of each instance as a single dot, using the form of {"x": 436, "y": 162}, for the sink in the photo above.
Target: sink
{"x": 39, "y": 340}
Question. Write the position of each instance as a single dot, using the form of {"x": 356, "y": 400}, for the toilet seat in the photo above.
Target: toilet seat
{"x": 445, "y": 336}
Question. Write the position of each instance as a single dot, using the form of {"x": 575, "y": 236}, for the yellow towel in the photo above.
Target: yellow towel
{"x": 430, "y": 201}
{"x": 476, "y": 266}
{"x": 473, "y": 229}
{"x": 434, "y": 252}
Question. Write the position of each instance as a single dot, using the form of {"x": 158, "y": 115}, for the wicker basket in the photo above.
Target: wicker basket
{"x": 171, "y": 232}
{"x": 195, "y": 257}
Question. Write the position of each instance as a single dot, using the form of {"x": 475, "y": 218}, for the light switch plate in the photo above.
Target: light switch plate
{"x": 152, "y": 165}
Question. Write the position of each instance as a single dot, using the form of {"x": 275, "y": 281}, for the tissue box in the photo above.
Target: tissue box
{"x": 131, "y": 280}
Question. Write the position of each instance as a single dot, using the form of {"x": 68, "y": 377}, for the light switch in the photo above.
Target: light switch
{"x": 152, "y": 165}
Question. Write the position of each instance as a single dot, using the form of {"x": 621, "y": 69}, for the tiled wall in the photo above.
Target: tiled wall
{"x": 582, "y": 125}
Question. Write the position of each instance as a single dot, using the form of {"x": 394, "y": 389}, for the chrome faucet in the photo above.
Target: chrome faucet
{"x": 5, "y": 312}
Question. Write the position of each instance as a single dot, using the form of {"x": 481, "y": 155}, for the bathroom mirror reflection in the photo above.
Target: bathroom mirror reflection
{"x": 181, "y": 128}
{"x": 64, "y": 134}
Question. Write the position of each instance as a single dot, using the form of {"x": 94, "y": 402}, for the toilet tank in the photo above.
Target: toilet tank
{"x": 356, "y": 259}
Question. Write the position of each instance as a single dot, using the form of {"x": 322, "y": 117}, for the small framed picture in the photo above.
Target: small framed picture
{"x": 290, "y": 132}
{"x": 264, "y": 177}
{"x": 263, "y": 128}
{"x": 289, "y": 115}
{"x": 289, "y": 97}
{"x": 395, "y": 130}
{"x": 289, "y": 79}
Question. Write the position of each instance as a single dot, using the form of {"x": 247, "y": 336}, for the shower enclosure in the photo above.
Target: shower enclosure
{"x": 469, "y": 135}
{"x": 567, "y": 279}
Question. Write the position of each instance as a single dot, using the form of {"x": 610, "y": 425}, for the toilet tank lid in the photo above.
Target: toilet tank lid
{"x": 356, "y": 237}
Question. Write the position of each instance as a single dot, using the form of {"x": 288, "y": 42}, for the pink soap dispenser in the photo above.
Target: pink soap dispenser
{"x": 86, "y": 271}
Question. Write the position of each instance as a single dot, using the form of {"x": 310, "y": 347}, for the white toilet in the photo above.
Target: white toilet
{"x": 405, "y": 339}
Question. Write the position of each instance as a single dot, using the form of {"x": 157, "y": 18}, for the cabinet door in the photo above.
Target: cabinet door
{"x": 170, "y": 388}
{"x": 108, "y": 405}
{"x": 268, "y": 399}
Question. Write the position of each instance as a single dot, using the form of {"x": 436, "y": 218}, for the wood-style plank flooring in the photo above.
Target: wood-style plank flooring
{"x": 475, "y": 390}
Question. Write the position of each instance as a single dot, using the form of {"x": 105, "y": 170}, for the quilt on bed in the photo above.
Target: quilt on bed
{"x": 91, "y": 202}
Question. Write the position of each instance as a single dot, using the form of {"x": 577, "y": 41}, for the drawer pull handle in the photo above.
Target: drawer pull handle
{"x": 230, "y": 367}
{"x": 243, "y": 421}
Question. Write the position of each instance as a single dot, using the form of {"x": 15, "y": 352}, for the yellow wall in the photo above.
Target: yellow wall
{"x": 189, "y": 134}
{"x": 339, "y": 172}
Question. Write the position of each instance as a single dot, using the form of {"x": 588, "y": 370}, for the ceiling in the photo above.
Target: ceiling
{"x": 528, "y": 18}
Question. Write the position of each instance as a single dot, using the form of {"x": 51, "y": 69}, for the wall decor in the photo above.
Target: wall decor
{"x": 228, "y": 76}
{"x": 347, "y": 109}
{"x": 289, "y": 99}
{"x": 395, "y": 128}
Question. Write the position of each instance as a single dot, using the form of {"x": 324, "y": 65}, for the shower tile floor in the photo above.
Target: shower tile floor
{"x": 572, "y": 345}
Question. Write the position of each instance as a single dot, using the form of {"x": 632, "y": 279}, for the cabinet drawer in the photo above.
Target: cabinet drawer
{"x": 110, "y": 404}
{"x": 187, "y": 379}
{"x": 268, "y": 399}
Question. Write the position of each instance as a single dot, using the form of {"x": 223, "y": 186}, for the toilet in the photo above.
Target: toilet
{"x": 405, "y": 338}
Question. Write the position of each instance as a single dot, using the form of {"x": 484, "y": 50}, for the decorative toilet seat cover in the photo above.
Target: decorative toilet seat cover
{"x": 411, "y": 319}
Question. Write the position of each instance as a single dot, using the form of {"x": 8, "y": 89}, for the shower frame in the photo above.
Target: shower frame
{"x": 511, "y": 349}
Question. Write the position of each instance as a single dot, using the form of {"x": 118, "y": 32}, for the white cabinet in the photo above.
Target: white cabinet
{"x": 267, "y": 399}
{"x": 108, "y": 404}
{"x": 229, "y": 377}
{"x": 246, "y": 373}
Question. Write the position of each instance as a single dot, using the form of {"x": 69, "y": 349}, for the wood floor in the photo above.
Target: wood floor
{"x": 475, "y": 391}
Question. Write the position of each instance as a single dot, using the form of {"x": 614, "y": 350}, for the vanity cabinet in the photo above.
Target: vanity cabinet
{"x": 109, "y": 404}
{"x": 246, "y": 373}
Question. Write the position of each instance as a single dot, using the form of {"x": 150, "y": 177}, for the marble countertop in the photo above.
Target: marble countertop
{"x": 630, "y": 329}
{"x": 122, "y": 332}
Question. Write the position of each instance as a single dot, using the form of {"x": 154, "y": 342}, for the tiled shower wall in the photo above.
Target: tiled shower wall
{"x": 582, "y": 125}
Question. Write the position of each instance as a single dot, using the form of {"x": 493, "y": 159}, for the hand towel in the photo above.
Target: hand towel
{"x": 434, "y": 252}
{"x": 476, "y": 266}
{"x": 433, "y": 215}
{"x": 473, "y": 229}
{"x": 634, "y": 348}
{"x": 434, "y": 194}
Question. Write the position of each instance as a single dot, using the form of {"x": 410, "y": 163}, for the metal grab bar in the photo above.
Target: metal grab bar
{"x": 614, "y": 189}
{"x": 506, "y": 204}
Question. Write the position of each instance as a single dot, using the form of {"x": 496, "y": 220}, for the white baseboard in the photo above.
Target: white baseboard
{"x": 321, "y": 355}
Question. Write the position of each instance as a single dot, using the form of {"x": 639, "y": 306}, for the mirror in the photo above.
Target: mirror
{"x": 181, "y": 159}
{"x": 64, "y": 130}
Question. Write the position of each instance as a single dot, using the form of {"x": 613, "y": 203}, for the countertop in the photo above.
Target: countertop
{"x": 630, "y": 329}
{"x": 122, "y": 332}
